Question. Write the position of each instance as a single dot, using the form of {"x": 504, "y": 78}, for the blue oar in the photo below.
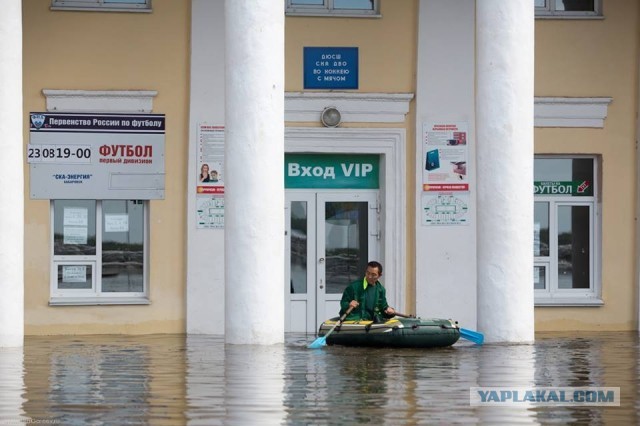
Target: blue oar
{"x": 322, "y": 341}
{"x": 475, "y": 336}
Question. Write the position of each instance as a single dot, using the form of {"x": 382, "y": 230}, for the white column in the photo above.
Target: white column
{"x": 11, "y": 177}
{"x": 254, "y": 175}
{"x": 504, "y": 123}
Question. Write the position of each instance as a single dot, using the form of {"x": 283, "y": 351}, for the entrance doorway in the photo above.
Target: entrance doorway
{"x": 330, "y": 237}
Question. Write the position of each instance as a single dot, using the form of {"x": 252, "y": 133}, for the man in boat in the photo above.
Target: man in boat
{"x": 367, "y": 297}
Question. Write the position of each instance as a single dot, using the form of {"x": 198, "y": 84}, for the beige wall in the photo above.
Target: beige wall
{"x": 137, "y": 51}
{"x": 112, "y": 51}
{"x": 386, "y": 46}
{"x": 590, "y": 59}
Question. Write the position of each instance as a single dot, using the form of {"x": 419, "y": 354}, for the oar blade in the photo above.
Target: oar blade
{"x": 474, "y": 336}
{"x": 318, "y": 343}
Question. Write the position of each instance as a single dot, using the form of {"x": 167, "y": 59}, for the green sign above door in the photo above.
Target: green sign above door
{"x": 332, "y": 171}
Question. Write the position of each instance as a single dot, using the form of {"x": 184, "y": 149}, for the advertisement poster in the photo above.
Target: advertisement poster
{"x": 210, "y": 177}
{"x": 88, "y": 156}
{"x": 445, "y": 156}
{"x": 446, "y": 208}
{"x": 210, "y": 173}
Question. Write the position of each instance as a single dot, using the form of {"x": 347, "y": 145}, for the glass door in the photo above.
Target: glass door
{"x": 330, "y": 238}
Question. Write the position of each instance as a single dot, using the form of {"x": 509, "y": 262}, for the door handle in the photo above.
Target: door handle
{"x": 321, "y": 260}
{"x": 321, "y": 286}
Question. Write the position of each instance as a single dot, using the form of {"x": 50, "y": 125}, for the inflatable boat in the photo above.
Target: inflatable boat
{"x": 395, "y": 332}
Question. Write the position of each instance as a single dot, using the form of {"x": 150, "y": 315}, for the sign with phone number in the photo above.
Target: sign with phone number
{"x": 62, "y": 154}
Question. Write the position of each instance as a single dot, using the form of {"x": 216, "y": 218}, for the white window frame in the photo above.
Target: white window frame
{"x": 552, "y": 295}
{"x": 95, "y": 296}
{"x": 100, "y": 5}
{"x": 549, "y": 11}
{"x": 327, "y": 9}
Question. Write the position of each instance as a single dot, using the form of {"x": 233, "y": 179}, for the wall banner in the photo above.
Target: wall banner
{"x": 332, "y": 171}
{"x": 444, "y": 160}
{"x": 85, "y": 156}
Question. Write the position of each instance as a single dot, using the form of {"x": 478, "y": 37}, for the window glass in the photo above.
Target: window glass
{"x": 575, "y": 5}
{"x": 573, "y": 247}
{"x": 122, "y": 246}
{"x": 346, "y": 239}
{"x": 539, "y": 278}
{"x": 307, "y": 2}
{"x": 74, "y": 228}
{"x": 563, "y": 169}
{"x": 353, "y": 4}
{"x": 97, "y": 5}
{"x": 352, "y": 8}
{"x": 75, "y": 277}
{"x": 299, "y": 247}
{"x": 541, "y": 229}
{"x": 565, "y": 239}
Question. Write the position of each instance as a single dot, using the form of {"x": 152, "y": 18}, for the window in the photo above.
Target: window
{"x": 351, "y": 8}
{"x": 99, "y": 252}
{"x": 568, "y": 8}
{"x": 104, "y": 5}
{"x": 565, "y": 243}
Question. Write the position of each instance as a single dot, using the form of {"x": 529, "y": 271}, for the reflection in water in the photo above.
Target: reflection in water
{"x": 198, "y": 380}
{"x": 11, "y": 385}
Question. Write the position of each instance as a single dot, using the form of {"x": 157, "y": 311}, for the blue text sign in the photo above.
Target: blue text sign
{"x": 330, "y": 67}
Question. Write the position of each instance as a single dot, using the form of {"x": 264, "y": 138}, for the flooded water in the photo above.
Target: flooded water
{"x": 198, "y": 380}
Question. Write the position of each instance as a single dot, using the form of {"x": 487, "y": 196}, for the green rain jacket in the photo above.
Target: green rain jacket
{"x": 356, "y": 291}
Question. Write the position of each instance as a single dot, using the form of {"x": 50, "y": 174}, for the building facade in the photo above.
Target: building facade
{"x": 484, "y": 152}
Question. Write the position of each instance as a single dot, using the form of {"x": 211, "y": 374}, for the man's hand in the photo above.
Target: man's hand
{"x": 354, "y": 304}
{"x": 390, "y": 311}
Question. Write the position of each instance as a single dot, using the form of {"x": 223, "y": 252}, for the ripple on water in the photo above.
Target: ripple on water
{"x": 198, "y": 380}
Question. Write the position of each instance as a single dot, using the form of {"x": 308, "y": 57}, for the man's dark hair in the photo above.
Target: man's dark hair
{"x": 374, "y": 264}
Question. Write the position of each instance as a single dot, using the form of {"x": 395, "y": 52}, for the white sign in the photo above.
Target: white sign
{"x": 116, "y": 223}
{"x": 210, "y": 212}
{"x": 75, "y": 235}
{"x": 445, "y": 209}
{"x": 96, "y": 156}
{"x": 76, "y": 216}
{"x": 74, "y": 273}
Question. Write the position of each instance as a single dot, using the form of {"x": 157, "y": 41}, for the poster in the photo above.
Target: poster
{"x": 445, "y": 156}
{"x": 210, "y": 212}
{"x": 210, "y": 173}
{"x": 446, "y": 208}
{"x": 210, "y": 177}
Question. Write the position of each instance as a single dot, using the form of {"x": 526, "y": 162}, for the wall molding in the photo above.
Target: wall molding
{"x": 138, "y": 101}
{"x": 354, "y": 107}
{"x": 570, "y": 112}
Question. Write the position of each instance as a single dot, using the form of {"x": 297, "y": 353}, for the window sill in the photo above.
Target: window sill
{"x": 91, "y": 301}
{"x": 572, "y": 17}
{"x": 569, "y": 302}
{"x": 335, "y": 15}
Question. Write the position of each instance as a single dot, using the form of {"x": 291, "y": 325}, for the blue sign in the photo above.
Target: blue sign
{"x": 330, "y": 67}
